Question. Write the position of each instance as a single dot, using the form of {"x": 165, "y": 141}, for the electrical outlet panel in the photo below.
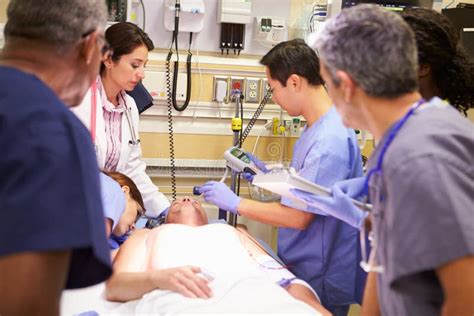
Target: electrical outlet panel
{"x": 295, "y": 126}
{"x": 221, "y": 89}
{"x": 236, "y": 84}
{"x": 264, "y": 88}
{"x": 287, "y": 126}
{"x": 252, "y": 90}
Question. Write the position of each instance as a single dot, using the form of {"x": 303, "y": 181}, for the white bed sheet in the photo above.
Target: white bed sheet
{"x": 241, "y": 284}
{"x": 74, "y": 302}
{"x": 254, "y": 295}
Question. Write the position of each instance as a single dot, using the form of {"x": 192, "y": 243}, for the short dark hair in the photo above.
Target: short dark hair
{"x": 293, "y": 57}
{"x": 439, "y": 47}
{"x": 124, "y": 37}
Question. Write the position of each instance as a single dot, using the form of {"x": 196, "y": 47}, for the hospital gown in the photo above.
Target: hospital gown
{"x": 49, "y": 184}
{"x": 325, "y": 253}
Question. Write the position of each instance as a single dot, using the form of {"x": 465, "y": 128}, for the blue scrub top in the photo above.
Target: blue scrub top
{"x": 49, "y": 183}
{"x": 326, "y": 253}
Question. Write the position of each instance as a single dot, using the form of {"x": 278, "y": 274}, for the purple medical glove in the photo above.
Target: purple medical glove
{"x": 219, "y": 194}
{"x": 258, "y": 163}
{"x": 353, "y": 188}
{"x": 339, "y": 205}
{"x": 165, "y": 212}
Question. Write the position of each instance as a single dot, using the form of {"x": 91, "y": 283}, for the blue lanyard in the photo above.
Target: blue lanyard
{"x": 390, "y": 138}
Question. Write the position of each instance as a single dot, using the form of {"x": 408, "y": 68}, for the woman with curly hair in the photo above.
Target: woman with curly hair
{"x": 445, "y": 69}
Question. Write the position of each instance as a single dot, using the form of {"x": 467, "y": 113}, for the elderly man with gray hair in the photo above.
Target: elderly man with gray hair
{"x": 420, "y": 175}
{"x": 53, "y": 233}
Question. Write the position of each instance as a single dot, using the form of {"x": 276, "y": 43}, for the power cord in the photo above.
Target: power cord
{"x": 255, "y": 116}
{"x": 144, "y": 16}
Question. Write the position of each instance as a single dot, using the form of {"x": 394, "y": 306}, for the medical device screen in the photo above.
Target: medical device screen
{"x": 236, "y": 152}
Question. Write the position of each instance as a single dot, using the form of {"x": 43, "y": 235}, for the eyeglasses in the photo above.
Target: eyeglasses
{"x": 106, "y": 50}
{"x": 140, "y": 212}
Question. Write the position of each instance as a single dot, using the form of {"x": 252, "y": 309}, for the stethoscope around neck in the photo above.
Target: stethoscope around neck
{"x": 134, "y": 141}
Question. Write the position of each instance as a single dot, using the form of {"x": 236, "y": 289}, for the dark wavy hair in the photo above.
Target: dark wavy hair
{"x": 439, "y": 47}
{"x": 123, "y": 38}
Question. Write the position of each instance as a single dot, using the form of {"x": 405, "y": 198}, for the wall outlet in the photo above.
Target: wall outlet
{"x": 295, "y": 126}
{"x": 221, "y": 89}
{"x": 288, "y": 126}
{"x": 237, "y": 84}
{"x": 252, "y": 90}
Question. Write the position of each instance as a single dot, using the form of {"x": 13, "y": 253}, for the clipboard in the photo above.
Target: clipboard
{"x": 281, "y": 181}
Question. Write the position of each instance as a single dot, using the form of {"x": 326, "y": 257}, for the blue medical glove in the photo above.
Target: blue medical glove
{"x": 339, "y": 205}
{"x": 219, "y": 194}
{"x": 260, "y": 165}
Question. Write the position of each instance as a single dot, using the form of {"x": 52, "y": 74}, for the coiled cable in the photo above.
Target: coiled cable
{"x": 255, "y": 116}
{"x": 170, "y": 133}
{"x": 169, "y": 92}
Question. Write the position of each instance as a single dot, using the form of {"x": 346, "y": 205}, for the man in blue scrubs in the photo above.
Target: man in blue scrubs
{"x": 52, "y": 234}
{"x": 322, "y": 250}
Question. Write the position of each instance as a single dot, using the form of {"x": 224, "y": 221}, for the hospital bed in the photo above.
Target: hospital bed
{"x": 256, "y": 293}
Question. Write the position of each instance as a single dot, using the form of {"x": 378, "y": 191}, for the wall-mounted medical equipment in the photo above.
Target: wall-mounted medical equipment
{"x": 463, "y": 19}
{"x": 122, "y": 11}
{"x": 269, "y": 31}
{"x": 318, "y": 15}
{"x": 233, "y": 15}
{"x": 191, "y": 15}
{"x": 172, "y": 85}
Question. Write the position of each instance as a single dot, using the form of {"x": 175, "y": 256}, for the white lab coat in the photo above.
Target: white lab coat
{"x": 130, "y": 162}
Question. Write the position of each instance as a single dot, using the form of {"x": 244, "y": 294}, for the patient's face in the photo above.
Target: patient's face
{"x": 186, "y": 211}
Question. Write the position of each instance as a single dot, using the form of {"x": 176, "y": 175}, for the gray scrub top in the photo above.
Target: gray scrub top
{"x": 424, "y": 218}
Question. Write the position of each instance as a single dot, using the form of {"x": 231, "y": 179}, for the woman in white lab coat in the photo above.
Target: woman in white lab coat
{"x": 112, "y": 115}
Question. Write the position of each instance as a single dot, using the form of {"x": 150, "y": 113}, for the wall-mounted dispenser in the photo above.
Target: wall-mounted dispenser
{"x": 233, "y": 15}
{"x": 269, "y": 31}
{"x": 234, "y": 11}
{"x": 191, "y": 15}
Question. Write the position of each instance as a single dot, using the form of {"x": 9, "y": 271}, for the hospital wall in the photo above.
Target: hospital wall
{"x": 202, "y": 132}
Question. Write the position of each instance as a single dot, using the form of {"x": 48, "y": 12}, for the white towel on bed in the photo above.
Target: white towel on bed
{"x": 252, "y": 295}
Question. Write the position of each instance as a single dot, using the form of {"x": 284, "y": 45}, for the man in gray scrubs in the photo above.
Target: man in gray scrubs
{"x": 421, "y": 174}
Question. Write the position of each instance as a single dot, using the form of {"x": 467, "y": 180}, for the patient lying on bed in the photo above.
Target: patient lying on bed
{"x": 232, "y": 270}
